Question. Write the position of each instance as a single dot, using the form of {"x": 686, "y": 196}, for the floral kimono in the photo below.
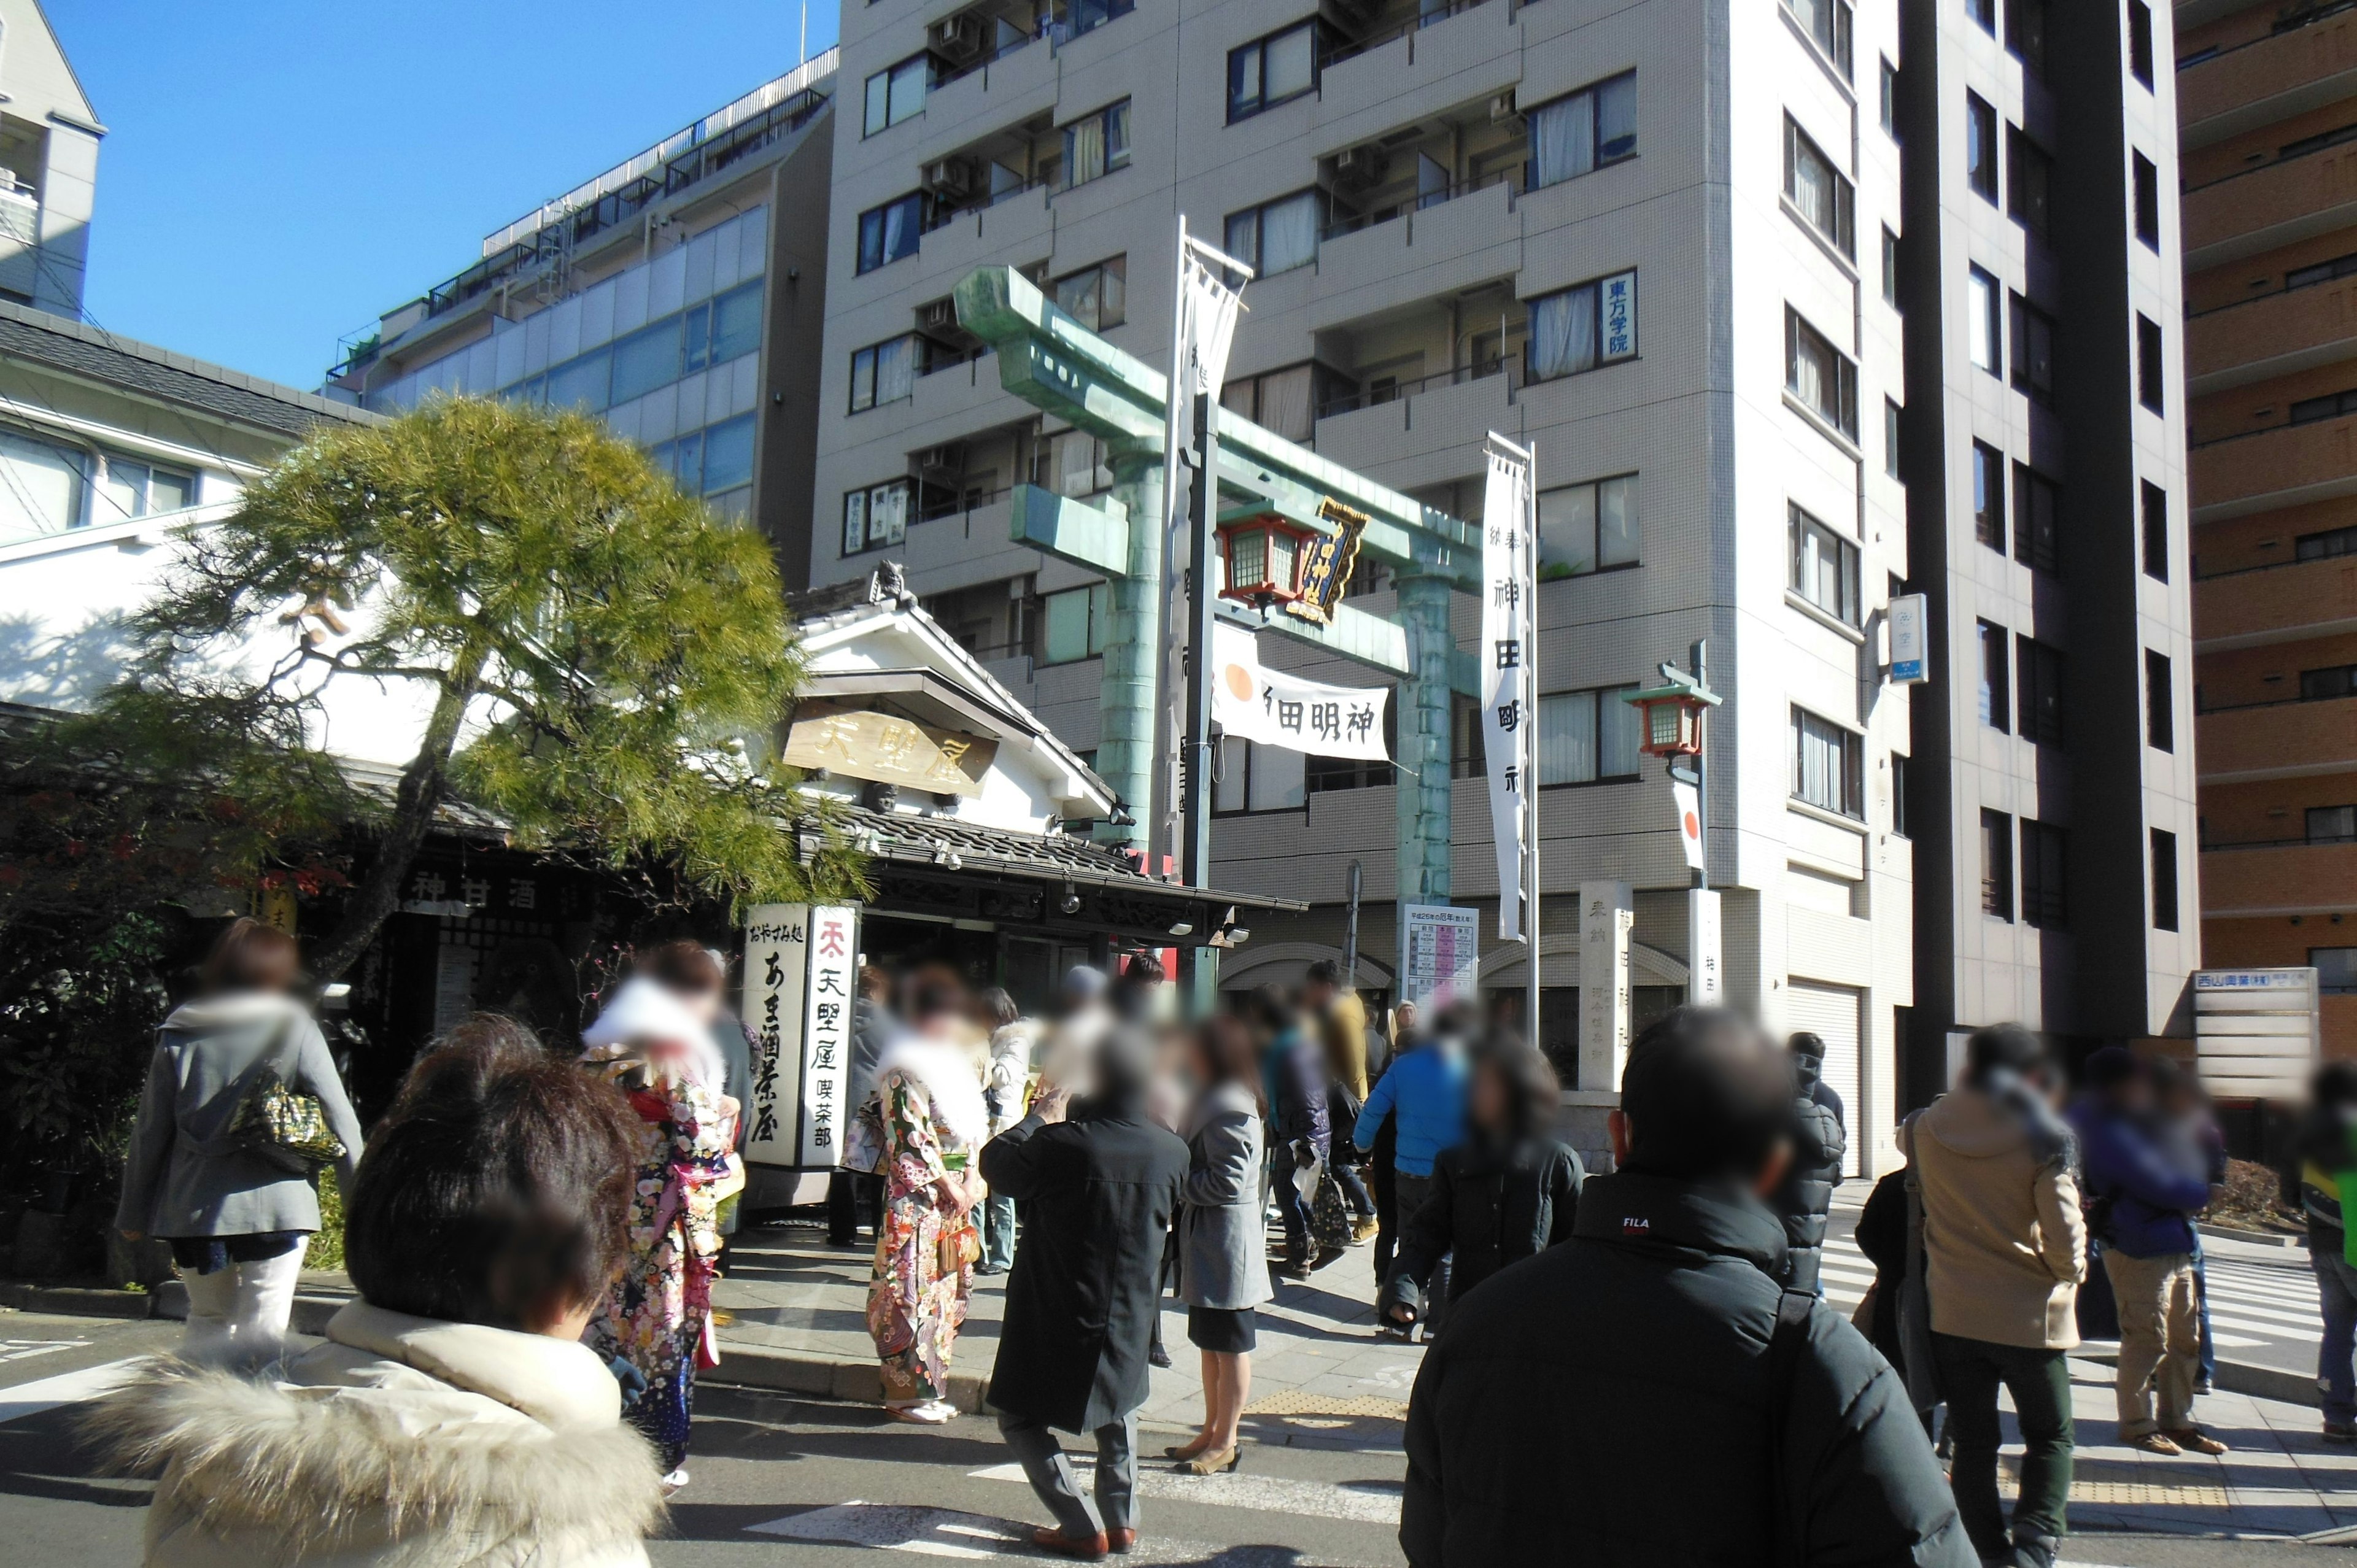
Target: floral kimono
{"x": 925, "y": 1250}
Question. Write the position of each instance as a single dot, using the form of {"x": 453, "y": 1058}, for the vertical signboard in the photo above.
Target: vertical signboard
{"x": 1444, "y": 958}
{"x": 776, "y": 959}
{"x": 1509, "y": 660}
{"x": 2258, "y": 1033}
{"x": 1617, "y": 311}
{"x": 1608, "y": 912}
{"x": 1908, "y": 640}
{"x": 826, "y": 1032}
{"x": 1706, "y": 982}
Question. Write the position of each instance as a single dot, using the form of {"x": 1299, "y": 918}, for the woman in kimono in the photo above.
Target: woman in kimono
{"x": 655, "y": 1326}
{"x": 929, "y": 1107}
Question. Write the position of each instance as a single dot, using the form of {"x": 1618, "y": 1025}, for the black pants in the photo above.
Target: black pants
{"x": 1971, "y": 1371}
{"x": 853, "y": 1200}
{"x": 1354, "y": 1191}
{"x": 1387, "y": 1220}
{"x": 1413, "y": 1190}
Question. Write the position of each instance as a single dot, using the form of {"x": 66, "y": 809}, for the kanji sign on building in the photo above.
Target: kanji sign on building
{"x": 826, "y": 1034}
{"x": 1251, "y": 701}
{"x": 800, "y": 967}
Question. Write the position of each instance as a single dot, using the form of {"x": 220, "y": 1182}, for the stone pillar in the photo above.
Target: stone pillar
{"x": 1127, "y": 747}
{"x": 1424, "y": 747}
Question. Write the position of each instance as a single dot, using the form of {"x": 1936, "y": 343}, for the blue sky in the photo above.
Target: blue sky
{"x": 277, "y": 172}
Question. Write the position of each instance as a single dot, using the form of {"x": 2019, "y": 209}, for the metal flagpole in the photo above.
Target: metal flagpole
{"x": 1165, "y": 837}
{"x": 1530, "y": 748}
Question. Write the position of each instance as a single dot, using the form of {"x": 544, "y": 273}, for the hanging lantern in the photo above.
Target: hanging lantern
{"x": 1669, "y": 717}
{"x": 1262, "y": 556}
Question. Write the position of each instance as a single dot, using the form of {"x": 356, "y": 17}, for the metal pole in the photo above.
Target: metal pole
{"x": 1350, "y": 933}
{"x": 1196, "y": 867}
{"x": 1698, "y": 663}
{"x": 1530, "y": 745}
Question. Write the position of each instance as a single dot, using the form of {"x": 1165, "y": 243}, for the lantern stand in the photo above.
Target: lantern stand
{"x": 1670, "y": 724}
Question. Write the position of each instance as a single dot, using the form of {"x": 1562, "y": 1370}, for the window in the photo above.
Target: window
{"x": 877, "y": 517}
{"x": 582, "y": 383}
{"x": 1983, "y": 12}
{"x": 2336, "y": 969}
{"x": 2164, "y": 880}
{"x": 1824, "y": 567}
{"x": 1588, "y": 527}
{"x": 41, "y": 486}
{"x": 2317, "y": 546}
{"x": 2322, "y": 271}
{"x": 1988, "y": 496}
{"x": 728, "y": 454}
{"x": 1982, "y": 296}
{"x": 2322, "y": 685}
{"x": 2148, "y": 204}
{"x": 1098, "y": 297}
{"x": 1583, "y": 130}
{"x": 1828, "y": 22}
{"x": 2331, "y": 824}
{"x": 1890, "y": 439}
{"x": 897, "y": 93}
{"x": 2042, "y": 901}
{"x": 1076, "y": 464}
{"x": 1994, "y": 693}
{"x": 1980, "y": 146}
{"x": 1823, "y": 378}
{"x": 1890, "y": 269}
{"x": 1285, "y": 401}
{"x": 1821, "y": 193}
{"x": 889, "y": 232}
{"x": 2156, "y": 532}
{"x": 1902, "y": 794}
{"x": 884, "y": 372}
{"x": 1585, "y": 737}
{"x": 2150, "y": 374}
{"x": 133, "y": 487}
{"x": 2037, "y": 507}
{"x": 2025, "y": 33}
{"x": 2033, "y": 352}
{"x": 1273, "y": 70}
{"x": 1278, "y": 236}
{"x": 2029, "y": 173}
{"x": 2140, "y": 52}
{"x": 2160, "y": 704}
{"x": 1578, "y": 328}
{"x": 1096, "y": 143}
{"x": 1828, "y": 765}
{"x": 1996, "y": 865}
{"x": 1087, "y": 15}
{"x": 2039, "y": 713}
{"x": 1890, "y": 100}
{"x": 2331, "y": 405}
{"x": 1075, "y": 624}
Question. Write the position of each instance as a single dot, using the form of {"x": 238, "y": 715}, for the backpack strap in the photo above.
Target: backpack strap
{"x": 1789, "y": 1337}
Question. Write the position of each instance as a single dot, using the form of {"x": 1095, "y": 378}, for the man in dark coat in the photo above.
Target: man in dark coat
{"x": 1722, "y": 1419}
{"x": 857, "y": 1198}
{"x": 1819, "y": 1147}
{"x": 1099, "y": 1191}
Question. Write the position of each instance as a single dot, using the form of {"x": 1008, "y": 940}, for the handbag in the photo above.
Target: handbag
{"x": 278, "y": 1123}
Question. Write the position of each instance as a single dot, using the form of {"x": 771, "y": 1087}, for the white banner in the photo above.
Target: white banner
{"x": 1689, "y": 806}
{"x": 1509, "y": 654}
{"x": 1254, "y": 703}
{"x": 1606, "y": 915}
{"x": 777, "y": 957}
{"x": 826, "y": 1033}
{"x": 1705, "y": 983}
{"x": 1444, "y": 957}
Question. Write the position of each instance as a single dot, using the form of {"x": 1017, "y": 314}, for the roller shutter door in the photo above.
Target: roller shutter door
{"x": 1833, "y": 1013}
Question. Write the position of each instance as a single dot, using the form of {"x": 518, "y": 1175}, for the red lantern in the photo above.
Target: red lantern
{"x": 1262, "y": 556}
{"x": 1669, "y": 720}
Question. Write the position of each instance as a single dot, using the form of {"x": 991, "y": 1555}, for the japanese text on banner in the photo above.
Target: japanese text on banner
{"x": 1508, "y": 656}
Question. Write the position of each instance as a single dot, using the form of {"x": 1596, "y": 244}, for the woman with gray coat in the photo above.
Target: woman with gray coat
{"x": 1224, "y": 1236}
{"x": 238, "y": 1222}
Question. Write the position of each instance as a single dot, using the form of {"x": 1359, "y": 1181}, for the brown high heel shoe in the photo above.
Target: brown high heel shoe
{"x": 1213, "y": 1462}
{"x": 1186, "y": 1450}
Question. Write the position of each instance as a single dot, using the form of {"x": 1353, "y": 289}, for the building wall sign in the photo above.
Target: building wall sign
{"x": 860, "y": 743}
{"x": 1909, "y": 640}
{"x": 777, "y": 958}
{"x": 1608, "y": 913}
{"x": 826, "y": 1033}
{"x": 2258, "y": 1033}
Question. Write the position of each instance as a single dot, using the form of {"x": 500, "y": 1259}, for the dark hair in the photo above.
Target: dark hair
{"x": 1227, "y": 1048}
{"x": 1000, "y": 1006}
{"x": 2006, "y": 1047}
{"x": 1531, "y": 1090}
{"x": 932, "y": 997}
{"x": 2113, "y": 1067}
{"x": 1124, "y": 1064}
{"x": 497, "y": 1189}
{"x": 250, "y": 956}
{"x": 1325, "y": 972}
{"x": 1268, "y": 1007}
{"x": 1705, "y": 1096}
{"x": 1805, "y": 1044}
{"x": 874, "y": 984}
{"x": 2334, "y": 1086}
{"x": 684, "y": 966}
{"x": 1143, "y": 967}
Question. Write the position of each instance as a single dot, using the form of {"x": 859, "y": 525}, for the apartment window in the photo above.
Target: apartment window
{"x": 1824, "y": 567}
{"x": 1821, "y": 193}
{"x": 1096, "y": 143}
{"x": 1578, "y": 328}
{"x": 2156, "y": 532}
{"x": 1587, "y": 736}
{"x": 1087, "y": 15}
{"x": 2320, "y": 546}
{"x": 1996, "y": 865}
{"x": 1583, "y": 130}
{"x": 1890, "y": 439}
{"x": 1590, "y": 527}
{"x": 897, "y": 93}
{"x": 876, "y": 517}
{"x": 2149, "y": 374}
{"x": 2037, "y": 510}
{"x": 1260, "y": 779}
{"x": 1890, "y": 269}
{"x": 1984, "y": 12}
{"x": 2331, "y": 405}
{"x": 1902, "y": 794}
{"x": 889, "y": 232}
{"x": 2033, "y": 352}
{"x": 1890, "y": 100}
{"x": 884, "y": 372}
{"x": 1285, "y": 401}
{"x": 1075, "y": 624}
{"x": 1982, "y": 299}
{"x": 2148, "y": 204}
{"x": 2025, "y": 33}
{"x": 2331, "y": 824}
{"x": 1988, "y": 496}
{"x": 1272, "y": 70}
{"x": 2160, "y": 704}
{"x": 1823, "y": 378}
{"x": 2140, "y": 51}
{"x": 1995, "y": 684}
{"x": 2042, "y": 901}
{"x": 133, "y": 487}
{"x": 42, "y": 486}
{"x": 1828, "y": 765}
{"x": 2039, "y": 715}
{"x": 1828, "y": 22}
{"x": 2164, "y": 880}
{"x": 1277, "y": 236}
{"x": 1098, "y": 297}
{"x": 2336, "y": 969}
{"x": 1980, "y": 146}
{"x": 2029, "y": 174}
{"x": 1076, "y": 464}
{"x": 2334, "y": 681}
{"x": 2322, "y": 271}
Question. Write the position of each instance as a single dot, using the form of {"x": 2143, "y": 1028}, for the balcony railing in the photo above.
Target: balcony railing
{"x": 1393, "y": 392}
{"x": 1422, "y": 19}
{"x": 1513, "y": 179}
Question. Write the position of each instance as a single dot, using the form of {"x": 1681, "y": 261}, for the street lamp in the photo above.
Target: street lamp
{"x": 1263, "y": 555}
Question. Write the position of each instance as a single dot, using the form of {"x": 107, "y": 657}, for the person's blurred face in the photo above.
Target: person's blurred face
{"x": 2133, "y": 1095}
{"x": 1317, "y": 994}
{"x": 1488, "y": 1100}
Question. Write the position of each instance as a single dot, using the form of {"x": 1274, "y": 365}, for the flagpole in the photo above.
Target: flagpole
{"x": 1530, "y": 748}
{"x": 1170, "y": 715}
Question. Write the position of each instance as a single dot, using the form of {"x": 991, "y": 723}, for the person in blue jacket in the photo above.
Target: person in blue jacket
{"x": 2143, "y": 1193}
{"x": 1422, "y": 1094}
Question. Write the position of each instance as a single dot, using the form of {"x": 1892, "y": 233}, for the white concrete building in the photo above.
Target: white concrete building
{"x": 48, "y": 164}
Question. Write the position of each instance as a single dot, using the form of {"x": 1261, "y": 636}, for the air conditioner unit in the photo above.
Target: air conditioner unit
{"x": 1361, "y": 167}
{"x": 1502, "y": 107}
{"x": 939, "y": 313}
{"x": 958, "y": 37}
{"x": 948, "y": 177}
{"x": 948, "y": 459}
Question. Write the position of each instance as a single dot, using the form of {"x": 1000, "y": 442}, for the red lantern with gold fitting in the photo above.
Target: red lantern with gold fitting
{"x": 1263, "y": 555}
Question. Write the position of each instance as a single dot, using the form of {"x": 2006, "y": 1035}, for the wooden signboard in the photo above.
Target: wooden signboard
{"x": 860, "y": 743}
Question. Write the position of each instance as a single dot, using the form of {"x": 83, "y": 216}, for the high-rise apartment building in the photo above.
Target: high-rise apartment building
{"x": 2266, "y": 128}
{"x": 48, "y": 164}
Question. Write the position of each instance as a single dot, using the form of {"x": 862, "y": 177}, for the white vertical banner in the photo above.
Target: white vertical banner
{"x": 1607, "y": 913}
{"x": 834, "y": 965}
{"x": 1509, "y": 654}
{"x": 777, "y": 957}
{"x": 1705, "y": 979}
{"x": 1689, "y": 807}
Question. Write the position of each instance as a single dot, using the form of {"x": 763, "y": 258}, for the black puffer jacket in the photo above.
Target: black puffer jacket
{"x": 1819, "y": 1146}
{"x": 1609, "y": 1403}
{"x": 1492, "y": 1207}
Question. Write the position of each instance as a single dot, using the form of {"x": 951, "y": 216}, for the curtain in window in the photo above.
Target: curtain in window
{"x": 1563, "y": 332}
{"x": 1820, "y": 770}
{"x": 895, "y": 370}
{"x": 1084, "y": 150}
{"x": 1562, "y": 139}
{"x": 1243, "y": 239}
{"x": 1813, "y": 372}
{"x": 1290, "y": 65}
{"x": 1619, "y": 725}
{"x": 899, "y": 229}
{"x": 1813, "y": 188}
{"x": 1285, "y": 404}
{"x": 1278, "y": 778}
{"x": 1616, "y": 522}
{"x": 1616, "y": 117}
{"x": 1228, "y": 784}
{"x": 1567, "y": 530}
{"x": 1568, "y": 738}
{"x": 1075, "y": 460}
{"x": 1288, "y": 233}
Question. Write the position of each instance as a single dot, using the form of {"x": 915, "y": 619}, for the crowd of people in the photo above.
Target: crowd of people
{"x": 534, "y": 1241}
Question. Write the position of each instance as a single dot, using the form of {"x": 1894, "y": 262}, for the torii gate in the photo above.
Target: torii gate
{"x": 1052, "y": 361}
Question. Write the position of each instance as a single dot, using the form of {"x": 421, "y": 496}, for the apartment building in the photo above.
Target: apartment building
{"x": 678, "y": 295}
{"x": 48, "y": 164}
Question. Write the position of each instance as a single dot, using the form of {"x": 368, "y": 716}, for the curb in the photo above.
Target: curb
{"x": 2243, "y": 1378}
{"x": 858, "y": 1382}
{"x": 2288, "y": 1240}
{"x": 81, "y": 1301}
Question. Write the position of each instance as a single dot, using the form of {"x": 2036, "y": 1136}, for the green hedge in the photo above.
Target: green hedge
{"x": 328, "y": 1242}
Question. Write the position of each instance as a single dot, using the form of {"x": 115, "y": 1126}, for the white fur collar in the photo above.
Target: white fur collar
{"x": 947, "y": 1073}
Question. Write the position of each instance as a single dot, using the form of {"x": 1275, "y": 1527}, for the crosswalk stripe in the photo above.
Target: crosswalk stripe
{"x": 66, "y": 1387}
{"x": 1368, "y": 1504}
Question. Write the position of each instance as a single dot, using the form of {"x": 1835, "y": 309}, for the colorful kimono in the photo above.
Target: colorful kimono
{"x": 925, "y": 1250}
{"x": 657, "y": 1316}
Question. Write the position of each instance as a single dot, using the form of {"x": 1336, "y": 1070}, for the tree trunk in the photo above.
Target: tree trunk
{"x": 423, "y": 786}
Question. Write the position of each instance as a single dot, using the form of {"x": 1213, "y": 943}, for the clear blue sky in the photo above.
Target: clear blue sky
{"x": 278, "y": 172}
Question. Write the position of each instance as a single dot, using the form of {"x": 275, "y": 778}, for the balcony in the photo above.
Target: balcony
{"x": 2238, "y": 475}
{"x": 1472, "y": 50}
{"x": 1018, "y": 82}
{"x": 2277, "y": 878}
{"x": 1017, "y": 229}
{"x": 1459, "y": 238}
{"x": 20, "y": 239}
{"x": 1423, "y": 432}
{"x": 2267, "y": 79}
{"x": 2279, "y": 603}
{"x": 2277, "y": 740}
{"x": 2270, "y": 206}
{"x": 2273, "y": 335}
